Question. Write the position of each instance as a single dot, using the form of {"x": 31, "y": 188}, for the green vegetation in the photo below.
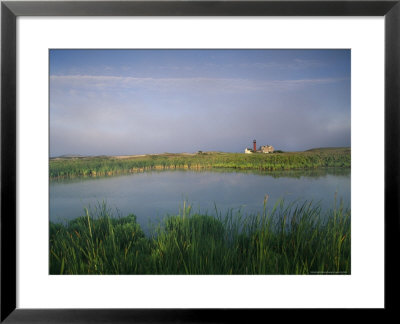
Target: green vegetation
{"x": 103, "y": 165}
{"x": 287, "y": 239}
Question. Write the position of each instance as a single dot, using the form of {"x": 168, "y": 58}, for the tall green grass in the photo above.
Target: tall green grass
{"x": 100, "y": 166}
{"x": 286, "y": 239}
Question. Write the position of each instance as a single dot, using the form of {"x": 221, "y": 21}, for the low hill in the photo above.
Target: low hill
{"x": 329, "y": 149}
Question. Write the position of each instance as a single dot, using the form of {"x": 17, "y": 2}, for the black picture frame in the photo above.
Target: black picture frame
{"x": 10, "y": 10}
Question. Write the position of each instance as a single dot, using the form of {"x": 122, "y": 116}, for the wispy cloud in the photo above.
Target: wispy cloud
{"x": 295, "y": 64}
{"x": 134, "y": 102}
{"x": 104, "y": 82}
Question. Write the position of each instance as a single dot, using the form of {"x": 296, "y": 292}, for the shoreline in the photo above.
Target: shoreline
{"x": 109, "y": 166}
{"x": 191, "y": 243}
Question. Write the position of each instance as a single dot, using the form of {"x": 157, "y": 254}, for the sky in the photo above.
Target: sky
{"x": 125, "y": 102}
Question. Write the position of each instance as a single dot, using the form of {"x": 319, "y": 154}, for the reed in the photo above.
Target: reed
{"x": 106, "y": 166}
{"x": 296, "y": 238}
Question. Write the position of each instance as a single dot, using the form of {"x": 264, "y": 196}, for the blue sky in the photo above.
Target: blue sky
{"x": 120, "y": 102}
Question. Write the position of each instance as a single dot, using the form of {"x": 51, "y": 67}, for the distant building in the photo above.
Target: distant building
{"x": 267, "y": 149}
{"x": 262, "y": 149}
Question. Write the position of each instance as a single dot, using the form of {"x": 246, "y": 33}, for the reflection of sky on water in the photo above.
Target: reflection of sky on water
{"x": 152, "y": 195}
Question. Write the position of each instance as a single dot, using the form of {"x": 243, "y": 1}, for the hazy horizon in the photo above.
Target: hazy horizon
{"x": 129, "y": 102}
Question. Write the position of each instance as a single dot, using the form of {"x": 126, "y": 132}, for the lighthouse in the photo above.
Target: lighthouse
{"x": 254, "y": 146}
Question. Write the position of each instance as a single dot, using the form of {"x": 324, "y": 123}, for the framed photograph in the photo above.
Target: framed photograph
{"x": 188, "y": 161}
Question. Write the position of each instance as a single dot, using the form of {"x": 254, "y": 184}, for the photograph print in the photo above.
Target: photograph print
{"x": 199, "y": 161}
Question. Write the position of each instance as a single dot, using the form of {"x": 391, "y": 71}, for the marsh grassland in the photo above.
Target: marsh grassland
{"x": 108, "y": 165}
{"x": 285, "y": 238}
{"x": 291, "y": 239}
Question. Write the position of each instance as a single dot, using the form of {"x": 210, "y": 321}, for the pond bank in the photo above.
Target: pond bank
{"x": 108, "y": 166}
{"x": 283, "y": 240}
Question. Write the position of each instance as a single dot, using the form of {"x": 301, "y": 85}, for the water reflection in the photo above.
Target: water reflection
{"x": 152, "y": 195}
{"x": 309, "y": 173}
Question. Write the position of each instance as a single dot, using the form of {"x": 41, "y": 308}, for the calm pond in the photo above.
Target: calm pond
{"x": 154, "y": 194}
